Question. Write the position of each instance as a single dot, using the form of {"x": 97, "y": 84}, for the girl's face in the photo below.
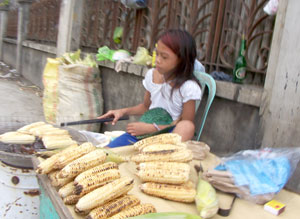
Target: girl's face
{"x": 166, "y": 59}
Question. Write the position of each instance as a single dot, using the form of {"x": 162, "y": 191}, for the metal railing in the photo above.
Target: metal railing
{"x": 217, "y": 26}
{"x": 12, "y": 24}
{"x": 43, "y": 21}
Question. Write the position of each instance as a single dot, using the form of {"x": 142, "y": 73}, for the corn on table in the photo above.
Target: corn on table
{"x": 52, "y": 206}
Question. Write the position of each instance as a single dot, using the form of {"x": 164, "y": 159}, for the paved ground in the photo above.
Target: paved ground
{"x": 21, "y": 101}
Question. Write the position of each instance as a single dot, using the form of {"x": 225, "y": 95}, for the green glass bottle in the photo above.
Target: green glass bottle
{"x": 239, "y": 71}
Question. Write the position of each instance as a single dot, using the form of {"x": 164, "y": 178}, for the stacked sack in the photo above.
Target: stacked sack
{"x": 164, "y": 169}
{"x": 89, "y": 178}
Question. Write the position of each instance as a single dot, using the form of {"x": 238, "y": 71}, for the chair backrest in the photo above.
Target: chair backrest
{"x": 205, "y": 80}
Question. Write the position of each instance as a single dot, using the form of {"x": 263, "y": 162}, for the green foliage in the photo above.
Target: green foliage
{"x": 74, "y": 58}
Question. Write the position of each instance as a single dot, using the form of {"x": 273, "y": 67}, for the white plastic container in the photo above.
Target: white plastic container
{"x": 19, "y": 191}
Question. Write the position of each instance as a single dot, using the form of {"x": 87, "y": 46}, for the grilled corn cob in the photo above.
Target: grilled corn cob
{"x": 67, "y": 189}
{"x": 163, "y": 147}
{"x": 95, "y": 170}
{"x": 164, "y": 166}
{"x": 36, "y": 129}
{"x": 55, "y": 137}
{"x": 169, "y": 138}
{"x": 55, "y": 132}
{"x": 56, "y": 181}
{"x": 47, "y": 165}
{"x": 96, "y": 180}
{"x": 52, "y": 174}
{"x": 40, "y": 132}
{"x": 17, "y": 138}
{"x": 25, "y": 129}
{"x": 104, "y": 194}
{"x": 51, "y": 131}
{"x": 58, "y": 141}
{"x": 180, "y": 193}
{"x": 184, "y": 155}
{"x": 71, "y": 199}
{"x": 114, "y": 207}
{"x": 83, "y": 163}
{"x": 171, "y": 176}
{"x": 135, "y": 211}
{"x": 73, "y": 154}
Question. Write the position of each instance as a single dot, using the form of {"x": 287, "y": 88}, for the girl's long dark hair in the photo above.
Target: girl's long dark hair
{"x": 184, "y": 46}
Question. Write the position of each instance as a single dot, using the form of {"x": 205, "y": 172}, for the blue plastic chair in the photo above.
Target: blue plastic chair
{"x": 205, "y": 80}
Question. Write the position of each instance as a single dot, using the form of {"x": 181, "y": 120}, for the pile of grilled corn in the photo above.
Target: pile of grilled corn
{"x": 163, "y": 167}
{"x": 51, "y": 136}
{"x": 85, "y": 178}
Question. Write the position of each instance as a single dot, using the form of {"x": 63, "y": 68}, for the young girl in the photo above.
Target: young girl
{"x": 171, "y": 85}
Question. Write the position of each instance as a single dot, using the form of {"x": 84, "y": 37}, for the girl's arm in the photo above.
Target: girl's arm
{"x": 135, "y": 110}
{"x": 188, "y": 111}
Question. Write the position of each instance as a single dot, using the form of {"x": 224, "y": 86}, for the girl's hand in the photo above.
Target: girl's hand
{"x": 116, "y": 114}
{"x": 140, "y": 128}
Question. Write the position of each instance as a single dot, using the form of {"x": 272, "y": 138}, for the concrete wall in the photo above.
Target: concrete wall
{"x": 120, "y": 90}
{"x": 34, "y": 59}
{"x": 281, "y": 103}
{"x": 230, "y": 126}
{"x": 9, "y": 53}
{"x": 281, "y": 114}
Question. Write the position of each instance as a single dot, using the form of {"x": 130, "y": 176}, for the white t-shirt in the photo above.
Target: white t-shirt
{"x": 160, "y": 94}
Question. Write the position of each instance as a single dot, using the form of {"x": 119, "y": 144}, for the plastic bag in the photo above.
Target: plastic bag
{"x": 142, "y": 57}
{"x": 121, "y": 54}
{"x": 136, "y": 4}
{"x": 271, "y": 7}
{"x": 259, "y": 174}
{"x": 97, "y": 139}
{"x": 105, "y": 53}
{"x": 118, "y": 33}
{"x": 206, "y": 199}
{"x": 219, "y": 75}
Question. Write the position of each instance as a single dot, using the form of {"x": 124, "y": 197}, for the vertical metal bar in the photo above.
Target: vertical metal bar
{"x": 137, "y": 28}
{"x": 95, "y": 28}
{"x": 192, "y": 17}
{"x": 212, "y": 28}
{"x": 170, "y": 15}
{"x": 113, "y": 23}
{"x": 218, "y": 32}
